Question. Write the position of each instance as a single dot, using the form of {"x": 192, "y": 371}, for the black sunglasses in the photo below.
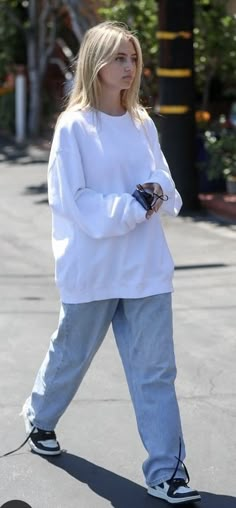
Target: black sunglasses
{"x": 150, "y": 197}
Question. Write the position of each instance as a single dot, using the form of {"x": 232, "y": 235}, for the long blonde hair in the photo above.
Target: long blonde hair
{"x": 98, "y": 48}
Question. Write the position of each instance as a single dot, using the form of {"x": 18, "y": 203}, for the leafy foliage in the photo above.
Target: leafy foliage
{"x": 142, "y": 17}
{"x": 12, "y": 43}
{"x": 7, "y": 111}
{"x": 214, "y": 38}
{"x": 215, "y": 43}
{"x": 221, "y": 148}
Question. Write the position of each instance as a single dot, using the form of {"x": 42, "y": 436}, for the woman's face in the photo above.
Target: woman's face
{"x": 119, "y": 74}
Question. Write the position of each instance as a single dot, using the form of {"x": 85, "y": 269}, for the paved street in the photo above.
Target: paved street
{"x": 102, "y": 463}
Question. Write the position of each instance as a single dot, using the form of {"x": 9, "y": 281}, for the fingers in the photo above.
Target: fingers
{"x": 154, "y": 209}
{"x": 155, "y": 188}
{"x": 150, "y": 213}
{"x": 157, "y": 205}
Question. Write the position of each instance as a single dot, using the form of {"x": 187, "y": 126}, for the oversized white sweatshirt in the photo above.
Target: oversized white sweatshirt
{"x": 103, "y": 245}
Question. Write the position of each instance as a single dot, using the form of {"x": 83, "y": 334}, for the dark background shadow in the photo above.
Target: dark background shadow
{"x": 121, "y": 492}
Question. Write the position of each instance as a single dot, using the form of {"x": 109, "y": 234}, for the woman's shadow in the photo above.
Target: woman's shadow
{"x": 121, "y": 492}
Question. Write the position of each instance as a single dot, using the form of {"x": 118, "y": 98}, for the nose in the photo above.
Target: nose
{"x": 129, "y": 64}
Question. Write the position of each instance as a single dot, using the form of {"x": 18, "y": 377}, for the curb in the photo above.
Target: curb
{"x": 223, "y": 205}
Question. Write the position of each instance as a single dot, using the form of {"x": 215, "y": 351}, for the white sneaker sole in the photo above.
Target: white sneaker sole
{"x": 43, "y": 452}
{"x": 162, "y": 495}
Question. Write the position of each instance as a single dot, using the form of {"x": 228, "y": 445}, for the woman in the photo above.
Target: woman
{"x": 112, "y": 261}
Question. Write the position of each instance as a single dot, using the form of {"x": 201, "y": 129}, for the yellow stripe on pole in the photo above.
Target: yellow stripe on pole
{"x": 173, "y": 35}
{"x": 174, "y": 110}
{"x": 174, "y": 73}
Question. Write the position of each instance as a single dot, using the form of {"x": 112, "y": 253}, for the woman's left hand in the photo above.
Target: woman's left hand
{"x": 156, "y": 189}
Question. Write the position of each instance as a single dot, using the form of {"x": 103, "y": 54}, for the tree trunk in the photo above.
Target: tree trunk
{"x": 177, "y": 95}
{"x": 74, "y": 17}
{"x": 41, "y": 37}
{"x": 33, "y": 70}
{"x": 35, "y": 103}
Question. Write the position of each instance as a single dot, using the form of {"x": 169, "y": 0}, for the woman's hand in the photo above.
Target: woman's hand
{"x": 156, "y": 189}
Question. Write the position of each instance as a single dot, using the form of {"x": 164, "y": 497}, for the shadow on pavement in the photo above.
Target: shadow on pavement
{"x": 201, "y": 266}
{"x": 121, "y": 492}
{"x": 35, "y": 190}
{"x": 217, "y": 501}
{"x": 42, "y": 188}
{"x": 22, "y": 156}
{"x": 25, "y": 153}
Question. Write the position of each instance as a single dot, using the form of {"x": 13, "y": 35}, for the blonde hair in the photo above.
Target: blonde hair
{"x": 98, "y": 48}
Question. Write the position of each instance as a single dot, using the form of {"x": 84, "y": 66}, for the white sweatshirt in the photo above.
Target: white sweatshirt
{"x": 104, "y": 247}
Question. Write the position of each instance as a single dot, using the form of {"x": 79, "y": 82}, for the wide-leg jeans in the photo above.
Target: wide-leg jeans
{"x": 144, "y": 335}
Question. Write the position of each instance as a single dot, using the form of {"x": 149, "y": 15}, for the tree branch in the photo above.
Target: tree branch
{"x": 73, "y": 8}
{"x": 45, "y": 51}
{"x": 42, "y": 25}
{"x": 8, "y": 11}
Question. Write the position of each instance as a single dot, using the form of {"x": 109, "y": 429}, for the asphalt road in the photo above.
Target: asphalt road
{"x": 102, "y": 463}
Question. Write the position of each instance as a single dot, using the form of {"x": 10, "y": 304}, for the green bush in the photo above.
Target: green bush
{"x": 222, "y": 154}
{"x": 7, "y": 111}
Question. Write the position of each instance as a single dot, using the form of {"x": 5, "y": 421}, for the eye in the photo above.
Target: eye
{"x": 120, "y": 58}
{"x": 134, "y": 59}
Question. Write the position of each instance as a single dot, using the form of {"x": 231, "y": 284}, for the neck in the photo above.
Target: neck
{"x": 111, "y": 104}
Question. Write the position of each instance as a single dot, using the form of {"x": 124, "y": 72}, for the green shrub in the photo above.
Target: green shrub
{"x": 222, "y": 153}
{"x": 7, "y": 111}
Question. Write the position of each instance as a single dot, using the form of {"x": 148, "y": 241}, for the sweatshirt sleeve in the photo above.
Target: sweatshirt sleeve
{"x": 162, "y": 175}
{"x": 98, "y": 215}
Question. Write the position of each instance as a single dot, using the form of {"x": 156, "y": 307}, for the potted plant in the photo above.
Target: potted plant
{"x": 221, "y": 148}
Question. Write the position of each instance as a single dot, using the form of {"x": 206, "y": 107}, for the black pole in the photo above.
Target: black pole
{"x": 176, "y": 87}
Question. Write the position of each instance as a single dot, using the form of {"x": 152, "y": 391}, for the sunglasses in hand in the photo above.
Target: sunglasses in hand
{"x": 146, "y": 197}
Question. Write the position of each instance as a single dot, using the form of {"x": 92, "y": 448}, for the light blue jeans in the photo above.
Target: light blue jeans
{"x": 144, "y": 337}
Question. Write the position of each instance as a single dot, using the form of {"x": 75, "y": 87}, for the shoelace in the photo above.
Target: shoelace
{"x": 39, "y": 432}
{"x": 19, "y": 447}
{"x": 179, "y": 461}
{"x": 175, "y": 484}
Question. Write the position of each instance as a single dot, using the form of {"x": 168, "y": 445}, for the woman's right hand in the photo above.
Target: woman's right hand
{"x": 150, "y": 213}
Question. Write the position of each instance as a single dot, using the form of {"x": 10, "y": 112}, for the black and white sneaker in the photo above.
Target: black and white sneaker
{"x": 174, "y": 491}
{"x": 43, "y": 442}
